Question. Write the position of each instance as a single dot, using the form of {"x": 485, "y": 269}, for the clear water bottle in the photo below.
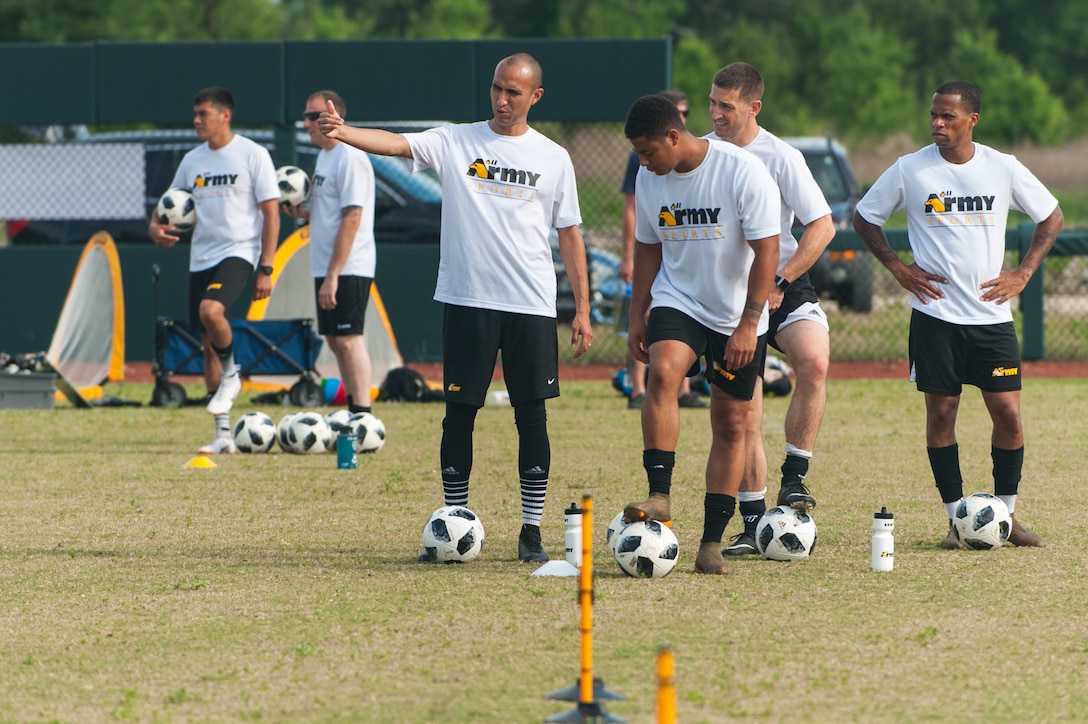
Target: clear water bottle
{"x": 883, "y": 542}
{"x": 345, "y": 449}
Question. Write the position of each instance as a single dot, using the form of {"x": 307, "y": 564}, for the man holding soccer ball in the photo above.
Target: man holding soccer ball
{"x": 233, "y": 184}
{"x": 957, "y": 195}
{"x": 505, "y": 187}
{"x": 342, "y": 253}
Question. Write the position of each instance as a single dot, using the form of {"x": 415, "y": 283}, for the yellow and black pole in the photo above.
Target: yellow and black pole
{"x": 589, "y": 691}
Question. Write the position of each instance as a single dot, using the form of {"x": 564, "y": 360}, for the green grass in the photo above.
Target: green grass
{"x": 279, "y": 588}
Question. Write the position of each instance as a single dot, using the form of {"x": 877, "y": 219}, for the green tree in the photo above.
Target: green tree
{"x": 451, "y": 19}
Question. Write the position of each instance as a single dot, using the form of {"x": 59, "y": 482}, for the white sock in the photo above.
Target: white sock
{"x": 749, "y": 497}
{"x": 792, "y": 449}
{"x": 1009, "y": 501}
{"x": 951, "y": 507}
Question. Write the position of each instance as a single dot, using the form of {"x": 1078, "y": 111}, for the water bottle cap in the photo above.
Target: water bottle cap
{"x": 884, "y": 514}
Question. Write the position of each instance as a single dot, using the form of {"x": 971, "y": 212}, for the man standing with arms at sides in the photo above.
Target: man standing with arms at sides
{"x": 636, "y": 369}
{"x": 957, "y": 195}
{"x": 707, "y": 232}
{"x": 798, "y": 325}
{"x": 233, "y": 183}
{"x": 342, "y": 253}
{"x": 505, "y": 186}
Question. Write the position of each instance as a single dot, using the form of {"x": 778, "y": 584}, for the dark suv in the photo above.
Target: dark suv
{"x": 843, "y": 276}
{"x": 407, "y": 208}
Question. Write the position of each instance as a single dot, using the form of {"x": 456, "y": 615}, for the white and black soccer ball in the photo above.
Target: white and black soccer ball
{"x": 254, "y": 432}
{"x": 453, "y": 534}
{"x": 281, "y": 430}
{"x": 646, "y": 549}
{"x": 982, "y": 521}
{"x": 612, "y": 533}
{"x": 294, "y": 185}
{"x": 176, "y": 208}
{"x": 306, "y": 432}
{"x": 785, "y": 534}
{"x": 336, "y": 420}
{"x": 369, "y": 432}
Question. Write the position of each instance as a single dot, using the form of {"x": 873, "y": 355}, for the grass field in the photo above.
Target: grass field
{"x": 278, "y": 588}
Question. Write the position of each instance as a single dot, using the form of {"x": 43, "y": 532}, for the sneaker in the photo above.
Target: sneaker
{"x": 952, "y": 541}
{"x": 709, "y": 559}
{"x": 229, "y": 387}
{"x": 691, "y": 399}
{"x": 219, "y": 446}
{"x": 742, "y": 544}
{"x": 1021, "y": 536}
{"x": 634, "y": 402}
{"x": 656, "y": 507}
{"x": 529, "y": 548}
{"x": 795, "y": 495}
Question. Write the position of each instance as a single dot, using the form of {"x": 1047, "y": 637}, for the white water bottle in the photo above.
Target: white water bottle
{"x": 572, "y": 538}
{"x": 883, "y": 542}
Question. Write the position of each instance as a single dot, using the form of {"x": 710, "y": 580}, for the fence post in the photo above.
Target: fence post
{"x": 1031, "y": 301}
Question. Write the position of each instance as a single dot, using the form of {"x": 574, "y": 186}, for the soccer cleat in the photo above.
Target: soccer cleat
{"x": 634, "y": 402}
{"x": 742, "y": 544}
{"x": 229, "y": 387}
{"x": 530, "y": 549}
{"x": 219, "y": 446}
{"x": 656, "y": 507}
{"x": 709, "y": 559}
{"x": 1021, "y": 536}
{"x": 952, "y": 541}
{"x": 691, "y": 399}
{"x": 795, "y": 495}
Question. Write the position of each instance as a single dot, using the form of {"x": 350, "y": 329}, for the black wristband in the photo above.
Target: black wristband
{"x": 783, "y": 284}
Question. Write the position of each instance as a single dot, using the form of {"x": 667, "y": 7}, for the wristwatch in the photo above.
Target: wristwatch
{"x": 781, "y": 283}
{"x": 265, "y": 269}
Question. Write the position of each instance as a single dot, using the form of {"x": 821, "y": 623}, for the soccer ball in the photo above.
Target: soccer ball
{"x": 646, "y": 549}
{"x": 176, "y": 208}
{"x": 982, "y": 521}
{"x": 785, "y": 534}
{"x": 294, "y": 185}
{"x": 306, "y": 432}
{"x": 254, "y": 432}
{"x": 612, "y": 534}
{"x": 453, "y": 534}
{"x": 336, "y": 420}
{"x": 281, "y": 430}
{"x": 369, "y": 432}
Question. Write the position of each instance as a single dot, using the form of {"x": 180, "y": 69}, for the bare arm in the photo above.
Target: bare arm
{"x": 911, "y": 277}
{"x": 371, "y": 140}
{"x": 627, "y": 262}
{"x": 741, "y": 347}
{"x": 350, "y": 218}
{"x": 814, "y": 240}
{"x": 647, "y": 263}
{"x": 1008, "y": 284}
{"x": 270, "y": 238}
{"x": 572, "y": 247}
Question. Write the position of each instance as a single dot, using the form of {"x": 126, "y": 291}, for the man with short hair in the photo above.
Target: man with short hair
{"x": 798, "y": 325}
{"x": 957, "y": 195}
{"x": 707, "y": 233}
{"x": 505, "y": 186}
{"x": 233, "y": 183}
{"x": 342, "y": 252}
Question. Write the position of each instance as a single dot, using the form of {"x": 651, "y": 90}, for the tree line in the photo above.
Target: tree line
{"x": 855, "y": 68}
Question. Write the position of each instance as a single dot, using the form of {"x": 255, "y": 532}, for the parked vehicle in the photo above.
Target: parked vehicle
{"x": 843, "y": 276}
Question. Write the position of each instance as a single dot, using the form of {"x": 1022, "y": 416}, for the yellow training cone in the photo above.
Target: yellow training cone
{"x": 200, "y": 461}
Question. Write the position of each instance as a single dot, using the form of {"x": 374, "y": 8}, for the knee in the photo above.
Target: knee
{"x": 530, "y": 414}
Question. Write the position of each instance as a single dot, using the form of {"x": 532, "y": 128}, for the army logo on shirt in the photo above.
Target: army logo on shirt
{"x": 946, "y": 209}
{"x": 489, "y": 177}
{"x": 676, "y": 222}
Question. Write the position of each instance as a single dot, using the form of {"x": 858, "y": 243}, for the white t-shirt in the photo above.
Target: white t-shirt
{"x": 801, "y": 195}
{"x": 227, "y": 184}
{"x": 704, "y": 219}
{"x": 956, "y": 217}
{"x": 501, "y": 196}
{"x": 343, "y": 177}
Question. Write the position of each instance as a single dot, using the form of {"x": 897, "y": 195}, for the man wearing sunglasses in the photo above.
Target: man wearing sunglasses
{"x": 342, "y": 252}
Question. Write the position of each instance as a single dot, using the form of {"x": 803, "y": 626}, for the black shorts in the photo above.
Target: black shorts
{"x": 945, "y": 356}
{"x": 801, "y": 292}
{"x": 349, "y": 316}
{"x": 471, "y": 341}
{"x": 223, "y": 282}
{"x": 667, "y": 323}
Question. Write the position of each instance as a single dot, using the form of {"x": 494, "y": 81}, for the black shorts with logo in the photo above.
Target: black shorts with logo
{"x": 349, "y": 315}
{"x": 945, "y": 356}
{"x": 667, "y": 323}
{"x": 471, "y": 341}
{"x": 223, "y": 282}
